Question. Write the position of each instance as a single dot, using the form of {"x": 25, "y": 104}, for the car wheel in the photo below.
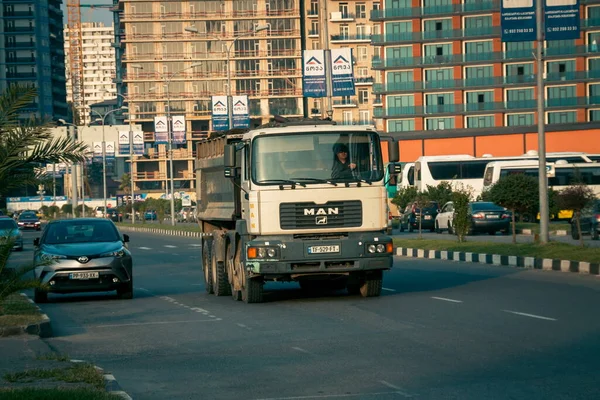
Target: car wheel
{"x": 40, "y": 296}
{"x": 574, "y": 233}
{"x": 437, "y": 227}
{"x": 125, "y": 292}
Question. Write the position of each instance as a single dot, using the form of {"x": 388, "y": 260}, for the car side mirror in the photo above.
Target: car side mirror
{"x": 125, "y": 238}
{"x": 36, "y": 242}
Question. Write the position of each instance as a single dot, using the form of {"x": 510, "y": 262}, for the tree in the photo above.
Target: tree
{"x": 404, "y": 196}
{"x": 519, "y": 193}
{"x": 67, "y": 209}
{"x": 125, "y": 185}
{"x": 28, "y": 144}
{"x": 441, "y": 193}
{"x": 420, "y": 201}
{"x": 460, "y": 220}
{"x": 576, "y": 198}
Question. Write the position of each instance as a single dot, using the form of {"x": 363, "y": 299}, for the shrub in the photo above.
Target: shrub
{"x": 576, "y": 198}
{"x": 461, "y": 221}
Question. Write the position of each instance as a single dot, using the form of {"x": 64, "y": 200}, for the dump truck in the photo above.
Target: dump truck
{"x": 272, "y": 206}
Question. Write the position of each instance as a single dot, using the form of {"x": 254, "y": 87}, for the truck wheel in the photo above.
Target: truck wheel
{"x": 231, "y": 260}
{"x": 371, "y": 286}
{"x": 219, "y": 275}
{"x": 252, "y": 292}
{"x": 206, "y": 266}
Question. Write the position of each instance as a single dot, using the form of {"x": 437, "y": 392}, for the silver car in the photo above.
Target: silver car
{"x": 83, "y": 255}
{"x": 9, "y": 230}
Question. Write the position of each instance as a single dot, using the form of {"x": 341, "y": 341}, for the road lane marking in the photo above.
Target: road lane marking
{"x": 300, "y": 349}
{"x": 398, "y": 389}
{"x": 143, "y": 289}
{"x": 156, "y": 323}
{"x": 195, "y": 245}
{"x": 530, "y": 315}
{"x": 244, "y": 326}
{"x": 144, "y": 248}
{"x": 387, "y": 289}
{"x": 446, "y": 299}
{"x": 170, "y": 246}
{"x": 330, "y": 396}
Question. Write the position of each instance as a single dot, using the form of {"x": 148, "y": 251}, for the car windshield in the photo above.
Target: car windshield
{"x": 80, "y": 232}
{"x": 28, "y": 216}
{"x": 7, "y": 224}
{"x": 311, "y": 157}
{"x": 485, "y": 206}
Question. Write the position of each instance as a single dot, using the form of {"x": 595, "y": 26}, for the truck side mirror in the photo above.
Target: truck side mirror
{"x": 393, "y": 170}
{"x": 393, "y": 151}
{"x": 229, "y": 156}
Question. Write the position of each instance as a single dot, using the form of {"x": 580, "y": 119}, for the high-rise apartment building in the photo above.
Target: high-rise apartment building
{"x": 166, "y": 66}
{"x": 32, "y": 54}
{"x": 451, "y": 86}
{"x": 98, "y": 65}
{"x": 347, "y": 25}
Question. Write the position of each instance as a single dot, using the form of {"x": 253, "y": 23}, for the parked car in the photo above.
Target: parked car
{"x": 150, "y": 215}
{"x": 28, "y": 220}
{"x": 489, "y": 217}
{"x": 443, "y": 221}
{"x": 99, "y": 212}
{"x": 590, "y": 222}
{"x": 115, "y": 215}
{"x": 10, "y": 230}
{"x": 186, "y": 214}
{"x": 412, "y": 214}
{"x": 83, "y": 255}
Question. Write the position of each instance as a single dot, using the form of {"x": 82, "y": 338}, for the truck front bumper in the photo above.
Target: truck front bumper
{"x": 306, "y": 255}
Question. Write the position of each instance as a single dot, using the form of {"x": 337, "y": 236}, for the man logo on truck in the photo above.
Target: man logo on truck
{"x": 321, "y": 211}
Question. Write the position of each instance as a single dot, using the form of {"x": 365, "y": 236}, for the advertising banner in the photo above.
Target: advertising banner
{"x": 110, "y": 153}
{"x": 124, "y": 143}
{"x": 97, "y": 152}
{"x": 241, "y": 115}
{"x": 220, "y": 118}
{"x": 313, "y": 74}
{"x": 561, "y": 19}
{"x": 161, "y": 130}
{"x": 517, "y": 20}
{"x": 138, "y": 143}
{"x": 178, "y": 122}
{"x": 342, "y": 74}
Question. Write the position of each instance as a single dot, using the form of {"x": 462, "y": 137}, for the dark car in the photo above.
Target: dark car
{"x": 590, "y": 222}
{"x": 9, "y": 230}
{"x": 83, "y": 255}
{"x": 28, "y": 220}
{"x": 412, "y": 214}
{"x": 150, "y": 215}
{"x": 114, "y": 215}
{"x": 489, "y": 217}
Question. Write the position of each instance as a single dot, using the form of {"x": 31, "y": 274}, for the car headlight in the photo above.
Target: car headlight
{"x": 116, "y": 253}
{"x": 50, "y": 257}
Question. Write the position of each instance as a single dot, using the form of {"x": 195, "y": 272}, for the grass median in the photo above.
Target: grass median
{"x": 554, "y": 250}
{"x": 535, "y": 227}
{"x": 16, "y": 310}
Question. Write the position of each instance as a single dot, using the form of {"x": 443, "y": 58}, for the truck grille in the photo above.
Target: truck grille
{"x": 335, "y": 214}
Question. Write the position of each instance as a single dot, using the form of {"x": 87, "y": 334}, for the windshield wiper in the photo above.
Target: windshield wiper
{"x": 315, "y": 180}
{"x": 282, "y": 182}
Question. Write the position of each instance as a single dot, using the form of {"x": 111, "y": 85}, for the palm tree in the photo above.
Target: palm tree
{"x": 28, "y": 144}
{"x": 125, "y": 185}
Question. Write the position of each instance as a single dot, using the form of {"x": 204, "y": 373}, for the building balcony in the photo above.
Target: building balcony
{"x": 15, "y": 45}
{"x": 490, "y": 107}
{"x": 402, "y": 37}
{"x": 390, "y": 14}
{"x": 312, "y": 13}
{"x": 364, "y": 81}
{"x": 338, "y": 16}
{"x": 351, "y": 38}
{"x": 150, "y": 176}
{"x": 17, "y": 14}
{"x": 345, "y": 103}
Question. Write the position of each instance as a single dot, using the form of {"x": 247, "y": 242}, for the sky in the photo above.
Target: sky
{"x": 91, "y": 14}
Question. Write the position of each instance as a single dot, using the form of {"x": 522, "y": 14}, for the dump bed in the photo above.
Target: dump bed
{"x": 216, "y": 197}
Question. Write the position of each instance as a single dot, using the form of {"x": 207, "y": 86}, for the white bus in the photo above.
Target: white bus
{"x": 469, "y": 171}
{"x": 407, "y": 178}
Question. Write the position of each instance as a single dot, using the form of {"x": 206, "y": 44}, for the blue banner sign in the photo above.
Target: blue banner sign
{"x": 342, "y": 73}
{"x": 313, "y": 74}
{"x": 220, "y": 116}
{"x": 241, "y": 116}
{"x": 34, "y": 199}
{"x": 561, "y": 19}
{"x": 517, "y": 20}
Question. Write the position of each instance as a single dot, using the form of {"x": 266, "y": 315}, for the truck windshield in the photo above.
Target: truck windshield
{"x": 317, "y": 157}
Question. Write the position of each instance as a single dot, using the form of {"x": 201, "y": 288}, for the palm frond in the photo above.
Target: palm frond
{"x": 12, "y": 100}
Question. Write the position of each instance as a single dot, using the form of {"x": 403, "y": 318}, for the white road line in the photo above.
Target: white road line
{"x": 143, "y": 290}
{"x": 170, "y": 246}
{"x": 244, "y": 326}
{"x": 446, "y": 299}
{"x": 157, "y": 323}
{"x": 196, "y": 245}
{"x": 300, "y": 349}
{"x": 144, "y": 248}
{"x": 330, "y": 396}
{"x": 387, "y": 289}
{"x": 530, "y": 315}
{"x": 398, "y": 389}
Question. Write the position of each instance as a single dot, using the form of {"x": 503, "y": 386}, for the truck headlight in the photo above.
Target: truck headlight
{"x": 254, "y": 252}
{"x": 380, "y": 248}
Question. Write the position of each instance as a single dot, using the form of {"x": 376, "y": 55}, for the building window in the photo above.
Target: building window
{"x": 476, "y": 23}
{"x": 436, "y": 27}
{"x": 400, "y": 104}
{"x": 398, "y": 54}
{"x": 438, "y": 52}
{"x": 364, "y": 117}
{"x": 362, "y": 72}
{"x": 401, "y": 30}
{"x": 480, "y": 100}
{"x": 363, "y": 96}
{"x": 561, "y": 96}
{"x": 562, "y": 117}
{"x": 518, "y": 49}
{"x": 480, "y": 121}
{"x": 437, "y": 3}
{"x": 594, "y": 115}
{"x": 560, "y": 70}
{"x": 520, "y": 119}
{"x": 344, "y": 32}
{"x": 401, "y": 125}
{"x": 439, "y": 103}
{"x": 433, "y": 124}
{"x": 361, "y": 10}
{"x": 520, "y": 98}
{"x": 480, "y": 50}
{"x": 314, "y": 7}
{"x": 518, "y": 73}
{"x": 594, "y": 93}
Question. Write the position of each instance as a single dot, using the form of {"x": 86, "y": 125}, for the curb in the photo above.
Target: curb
{"x": 560, "y": 232}
{"x": 42, "y": 329}
{"x": 546, "y": 264}
{"x": 170, "y": 232}
{"x": 110, "y": 383}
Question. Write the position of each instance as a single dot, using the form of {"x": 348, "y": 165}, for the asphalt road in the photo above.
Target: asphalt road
{"x": 441, "y": 330}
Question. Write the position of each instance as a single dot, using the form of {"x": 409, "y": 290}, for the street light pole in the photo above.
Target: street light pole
{"x": 543, "y": 179}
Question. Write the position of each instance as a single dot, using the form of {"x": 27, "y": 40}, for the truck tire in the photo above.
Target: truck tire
{"x": 206, "y": 266}
{"x": 231, "y": 261}
{"x": 371, "y": 286}
{"x": 252, "y": 292}
{"x": 219, "y": 275}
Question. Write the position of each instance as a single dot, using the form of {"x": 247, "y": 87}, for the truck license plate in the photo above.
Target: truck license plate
{"x": 324, "y": 249}
{"x": 83, "y": 275}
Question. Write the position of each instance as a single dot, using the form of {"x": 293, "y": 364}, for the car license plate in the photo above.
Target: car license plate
{"x": 83, "y": 275}
{"x": 324, "y": 249}
{"x": 428, "y": 217}
{"x": 493, "y": 216}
